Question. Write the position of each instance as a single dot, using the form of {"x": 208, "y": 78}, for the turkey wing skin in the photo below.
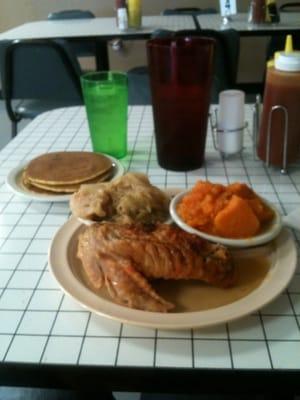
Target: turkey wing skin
{"x": 130, "y": 255}
{"x": 164, "y": 251}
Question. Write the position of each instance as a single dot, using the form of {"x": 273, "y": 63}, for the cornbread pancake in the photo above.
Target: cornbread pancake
{"x": 27, "y": 185}
{"x": 66, "y": 168}
{"x": 42, "y": 187}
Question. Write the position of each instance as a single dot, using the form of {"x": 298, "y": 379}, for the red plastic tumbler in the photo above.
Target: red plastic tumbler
{"x": 181, "y": 71}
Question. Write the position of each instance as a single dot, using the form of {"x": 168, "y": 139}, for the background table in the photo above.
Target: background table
{"x": 289, "y": 23}
{"x": 47, "y": 339}
{"x": 106, "y": 28}
{"x": 97, "y": 30}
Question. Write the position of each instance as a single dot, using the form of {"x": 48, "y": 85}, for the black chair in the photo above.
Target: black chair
{"x": 190, "y": 11}
{"x": 277, "y": 42}
{"x": 138, "y": 78}
{"x": 225, "y": 65}
{"x": 226, "y": 58}
{"x": 290, "y": 7}
{"x": 38, "y": 76}
{"x": 96, "y": 48}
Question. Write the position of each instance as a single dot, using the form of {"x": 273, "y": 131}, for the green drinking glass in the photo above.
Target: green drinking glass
{"x": 105, "y": 97}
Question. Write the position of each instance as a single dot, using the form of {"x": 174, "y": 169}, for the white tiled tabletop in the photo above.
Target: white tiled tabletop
{"x": 41, "y": 325}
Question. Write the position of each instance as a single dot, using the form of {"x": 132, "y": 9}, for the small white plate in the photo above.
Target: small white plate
{"x": 272, "y": 231}
{"x": 14, "y": 182}
{"x": 62, "y": 264}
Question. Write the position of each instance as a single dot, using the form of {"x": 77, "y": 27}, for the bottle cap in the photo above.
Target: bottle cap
{"x": 288, "y": 48}
{"x": 288, "y": 61}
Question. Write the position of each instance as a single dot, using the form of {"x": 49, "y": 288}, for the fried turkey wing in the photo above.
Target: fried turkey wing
{"x": 127, "y": 256}
{"x": 123, "y": 281}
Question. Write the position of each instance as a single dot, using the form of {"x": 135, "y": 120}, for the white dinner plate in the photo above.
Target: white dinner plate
{"x": 62, "y": 260}
{"x": 14, "y": 182}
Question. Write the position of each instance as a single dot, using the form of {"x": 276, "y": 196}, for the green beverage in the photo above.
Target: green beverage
{"x": 106, "y": 100}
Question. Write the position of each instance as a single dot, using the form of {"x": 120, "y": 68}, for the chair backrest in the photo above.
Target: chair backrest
{"x": 189, "y": 11}
{"x": 71, "y": 14}
{"x": 225, "y": 68}
{"x": 81, "y": 48}
{"x": 226, "y": 57}
{"x": 192, "y": 11}
{"x": 40, "y": 70}
{"x": 277, "y": 42}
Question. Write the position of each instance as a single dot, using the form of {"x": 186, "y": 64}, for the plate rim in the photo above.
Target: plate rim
{"x": 12, "y": 184}
{"x": 277, "y": 279}
{"x": 237, "y": 243}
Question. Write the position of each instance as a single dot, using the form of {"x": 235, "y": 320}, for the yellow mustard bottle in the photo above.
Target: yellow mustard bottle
{"x": 134, "y": 13}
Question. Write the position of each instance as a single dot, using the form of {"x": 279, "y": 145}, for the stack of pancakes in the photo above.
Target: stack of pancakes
{"x": 64, "y": 172}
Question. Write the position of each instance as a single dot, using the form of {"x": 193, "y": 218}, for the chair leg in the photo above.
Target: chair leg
{"x": 102, "y": 59}
{"x": 14, "y": 129}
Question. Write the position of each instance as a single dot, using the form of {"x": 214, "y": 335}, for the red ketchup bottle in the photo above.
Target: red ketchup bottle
{"x": 279, "y": 133}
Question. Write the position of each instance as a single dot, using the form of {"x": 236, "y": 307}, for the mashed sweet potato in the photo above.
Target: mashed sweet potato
{"x": 233, "y": 211}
